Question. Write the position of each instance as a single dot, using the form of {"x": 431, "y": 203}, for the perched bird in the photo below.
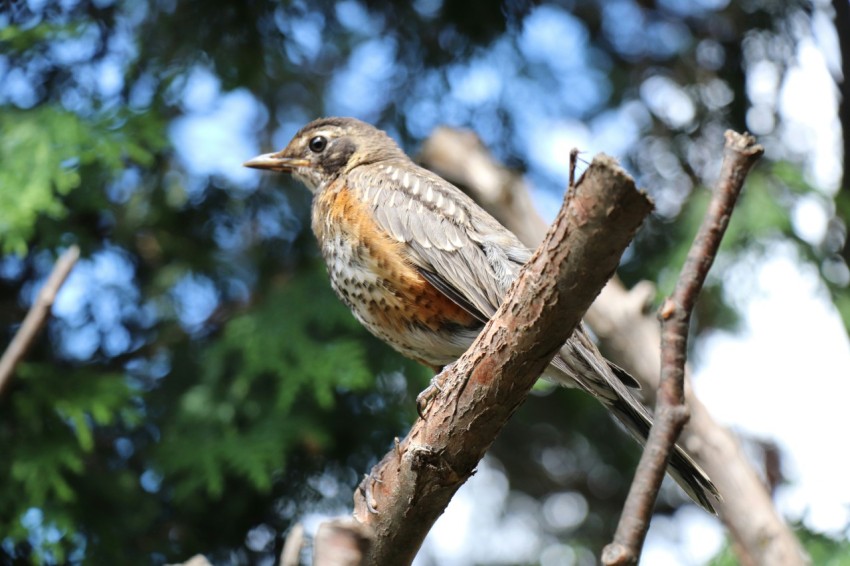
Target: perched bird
{"x": 423, "y": 267}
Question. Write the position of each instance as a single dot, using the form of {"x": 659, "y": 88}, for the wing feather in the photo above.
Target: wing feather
{"x": 471, "y": 260}
{"x": 417, "y": 230}
{"x": 440, "y": 284}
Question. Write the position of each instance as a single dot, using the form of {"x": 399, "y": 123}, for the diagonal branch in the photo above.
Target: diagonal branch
{"x": 630, "y": 338}
{"x": 671, "y": 412}
{"x": 412, "y": 485}
{"x": 37, "y": 315}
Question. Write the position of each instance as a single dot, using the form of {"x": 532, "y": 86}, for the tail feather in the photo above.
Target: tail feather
{"x": 579, "y": 364}
{"x": 681, "y": 467}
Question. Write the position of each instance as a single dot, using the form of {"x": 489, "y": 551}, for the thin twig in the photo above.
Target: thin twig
{"x": 573, "y": 162}
{"x": 37, "y": 315}
{"x": 671, "y": 413}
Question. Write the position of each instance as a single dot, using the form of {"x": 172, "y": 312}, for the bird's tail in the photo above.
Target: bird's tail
{"x": 682, "y": 468}
{"x": 579, "y": 364}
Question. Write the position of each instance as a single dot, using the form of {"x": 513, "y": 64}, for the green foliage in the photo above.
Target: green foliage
{"x": 275, "y": 341}
{"x": 261, "y": 387}
{"x": 43, "y": 152}
{"x": 261, "y": 395}
{"x": 20, "y": 39}
{"x": 64, "y": 411}
{"x": 81, "y": 402}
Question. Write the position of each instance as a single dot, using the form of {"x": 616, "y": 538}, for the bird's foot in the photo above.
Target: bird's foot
{"x": 370, "y": 479}
{"x": 428, "y": 394}
{"x": 423, "y": 400}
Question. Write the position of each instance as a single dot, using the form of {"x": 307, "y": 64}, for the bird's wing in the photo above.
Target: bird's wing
{"x": 468, "y": 256}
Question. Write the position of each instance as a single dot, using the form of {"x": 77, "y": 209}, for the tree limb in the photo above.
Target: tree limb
{"x": 36, "y": 316}
{"x": 671, "y": 412}
{"x": 630, "y": 338}
{"x": 412, "y": 485}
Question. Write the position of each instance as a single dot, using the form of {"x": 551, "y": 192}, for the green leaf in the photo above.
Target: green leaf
{"x": 45, "y": 151}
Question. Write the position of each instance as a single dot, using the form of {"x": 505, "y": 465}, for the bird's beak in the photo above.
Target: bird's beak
{"x": 276, "y": 162}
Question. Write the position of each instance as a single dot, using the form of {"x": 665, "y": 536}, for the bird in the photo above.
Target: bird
{"x": 423, "y": 267}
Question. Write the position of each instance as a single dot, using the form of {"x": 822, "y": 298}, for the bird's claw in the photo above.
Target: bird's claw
{"x": 428, "y": 394}
{"x": 367, "y": 493}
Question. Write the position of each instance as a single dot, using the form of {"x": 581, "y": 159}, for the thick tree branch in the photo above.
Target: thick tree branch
{"x": 631, "y": 338}
{"x": 671, "y": 412}
{"x": 411, "y": 486}
{"x": 37, "y": 316}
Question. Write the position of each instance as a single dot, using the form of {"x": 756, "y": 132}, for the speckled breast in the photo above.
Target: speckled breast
{"x": 372, "y": 274}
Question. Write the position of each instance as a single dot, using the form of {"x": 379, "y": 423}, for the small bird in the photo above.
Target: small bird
{"x": 423, "y": 267}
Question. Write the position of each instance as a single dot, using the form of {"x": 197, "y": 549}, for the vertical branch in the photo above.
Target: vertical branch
{"x": 671, "y": 413}
{"x": 37, "y": 315}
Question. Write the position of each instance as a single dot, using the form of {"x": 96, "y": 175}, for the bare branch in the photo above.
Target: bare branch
{"x": 411, "y": 486}
{"x": 630, "y": 337}
{"x": 671, "y": 412}
{"x": 37, "y": 315}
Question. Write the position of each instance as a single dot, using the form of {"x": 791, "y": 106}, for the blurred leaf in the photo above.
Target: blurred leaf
{"x": 42, "y": 152}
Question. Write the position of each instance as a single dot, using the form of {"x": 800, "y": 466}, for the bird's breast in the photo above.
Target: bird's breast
{"x": 372, "y": 273}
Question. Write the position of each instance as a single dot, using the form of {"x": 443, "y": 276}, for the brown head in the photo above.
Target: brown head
{"x": 328, "y": 147}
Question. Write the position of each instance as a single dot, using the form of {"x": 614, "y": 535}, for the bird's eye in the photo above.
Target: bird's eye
{"x": 318, "y": 144}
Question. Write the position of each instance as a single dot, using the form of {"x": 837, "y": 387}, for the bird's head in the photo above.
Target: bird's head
{"x": 328, "y": 147}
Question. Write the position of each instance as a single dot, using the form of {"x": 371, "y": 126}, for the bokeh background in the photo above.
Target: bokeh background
{"x": 199, "y": 388}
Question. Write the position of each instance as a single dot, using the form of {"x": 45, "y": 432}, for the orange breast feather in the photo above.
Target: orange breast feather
{"x": 380, "y": 281}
